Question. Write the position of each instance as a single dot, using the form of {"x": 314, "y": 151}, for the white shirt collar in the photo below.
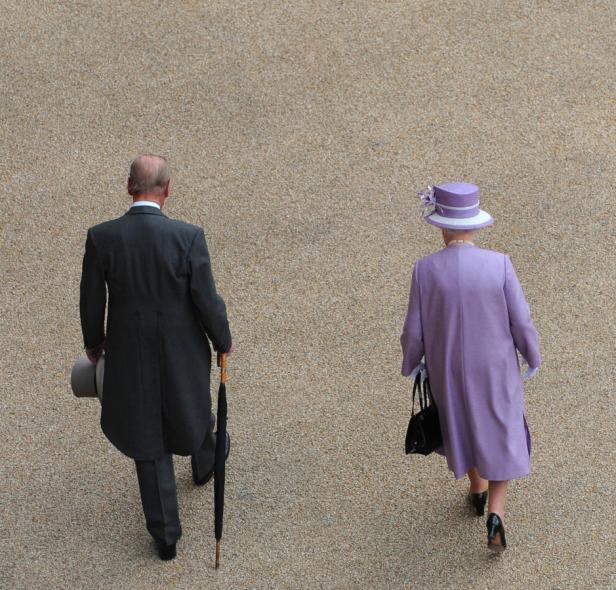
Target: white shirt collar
{"x": 145, "y": 203}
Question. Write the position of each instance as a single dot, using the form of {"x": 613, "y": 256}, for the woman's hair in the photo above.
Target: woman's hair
{"x": 458, "y": 231}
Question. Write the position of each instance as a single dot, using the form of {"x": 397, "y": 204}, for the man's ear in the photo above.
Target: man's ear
{"x": 129, "y": 187}
{"x": 167, "y": 189}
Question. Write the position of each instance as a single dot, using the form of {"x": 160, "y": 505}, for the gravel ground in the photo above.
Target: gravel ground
{"x": 298, "y": 133}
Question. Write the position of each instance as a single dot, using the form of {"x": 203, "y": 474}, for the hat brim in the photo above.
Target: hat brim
{"x": 482, "y": 219}
{"x": 100, "y": 376}
{"x": 83, "y": 378}
{"x": 87, "y": 379}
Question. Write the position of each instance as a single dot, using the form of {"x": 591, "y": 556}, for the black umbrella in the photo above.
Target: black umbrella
{"x": 219, "y": 464}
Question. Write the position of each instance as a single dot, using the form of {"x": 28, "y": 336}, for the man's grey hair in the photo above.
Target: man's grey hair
{"x": 149, "y": 173}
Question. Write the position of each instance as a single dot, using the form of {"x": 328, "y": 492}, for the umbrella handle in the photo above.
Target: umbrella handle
{"x": 222, "y": 361}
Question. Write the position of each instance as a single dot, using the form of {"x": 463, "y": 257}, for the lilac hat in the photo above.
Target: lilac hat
{"x": 454, "y": 205}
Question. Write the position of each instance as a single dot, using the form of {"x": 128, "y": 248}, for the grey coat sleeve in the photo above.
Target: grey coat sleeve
{"x": 522, "y": 328}
{"x": 211, "y": 307}
{"x": 93, "y": 297}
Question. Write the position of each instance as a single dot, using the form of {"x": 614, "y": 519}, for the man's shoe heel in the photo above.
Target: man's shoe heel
{"x": 167, "y": 552}
{"x": 193, "y": 461}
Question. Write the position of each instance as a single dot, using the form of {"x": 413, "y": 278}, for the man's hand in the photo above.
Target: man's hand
{"x": 95, "y": 353}
{"x": 231, "y": 349}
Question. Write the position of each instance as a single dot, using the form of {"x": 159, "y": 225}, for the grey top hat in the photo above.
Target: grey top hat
{"x": 86, "y": 378}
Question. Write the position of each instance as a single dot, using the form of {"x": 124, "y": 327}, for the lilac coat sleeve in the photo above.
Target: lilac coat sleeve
{"x": 522, "y": 327}
{"x": 411, "y": 338}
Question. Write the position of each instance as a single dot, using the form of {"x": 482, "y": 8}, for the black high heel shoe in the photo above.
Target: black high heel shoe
{"x": 496, "y": 533}
{"x": 478, "y": 501}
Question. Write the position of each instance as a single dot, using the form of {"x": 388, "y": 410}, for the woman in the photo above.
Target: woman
{"x": 467, "y": 315}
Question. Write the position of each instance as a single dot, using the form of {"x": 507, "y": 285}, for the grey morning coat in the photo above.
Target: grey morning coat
{"x": 163, "y": 306}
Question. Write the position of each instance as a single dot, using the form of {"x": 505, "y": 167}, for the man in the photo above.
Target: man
{"x": 163, "y": 307}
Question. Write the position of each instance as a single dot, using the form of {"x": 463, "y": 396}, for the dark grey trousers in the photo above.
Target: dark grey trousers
{"x": 158, "y": 490}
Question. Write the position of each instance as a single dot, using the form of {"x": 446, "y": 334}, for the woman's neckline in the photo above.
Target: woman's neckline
{"x": 460, "y": 243}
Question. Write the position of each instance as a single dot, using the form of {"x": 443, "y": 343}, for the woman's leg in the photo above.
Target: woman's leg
{"x": 496, "y": 497}
{"x": 478, "y": 484}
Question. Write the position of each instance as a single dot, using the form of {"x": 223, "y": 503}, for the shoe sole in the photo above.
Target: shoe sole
{"x": 210, "y": 475}
{"x": 203, "y": 482}
{"x": 477, "y": 510}
{"x": 496, "y": 547}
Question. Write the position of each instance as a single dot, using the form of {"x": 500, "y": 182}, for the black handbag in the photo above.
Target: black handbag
{"x": 423, "y": 434}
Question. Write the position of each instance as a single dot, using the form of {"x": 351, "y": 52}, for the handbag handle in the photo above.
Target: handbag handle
{"x": 416, "y": 387}
{"x": 425, "y": 394}
{"x": 428, "y": 398}
{"x": 423, "y": 403}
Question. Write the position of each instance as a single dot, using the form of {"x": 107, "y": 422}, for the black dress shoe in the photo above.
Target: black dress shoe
{"x": 166, "y": 552}
{"x": 479, "y": 502}
{"x": 203, "y": 480}
{"x": 496, "y": 533}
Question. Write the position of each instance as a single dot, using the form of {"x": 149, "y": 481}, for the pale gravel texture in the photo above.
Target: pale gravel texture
{"x": 298, "y": 133}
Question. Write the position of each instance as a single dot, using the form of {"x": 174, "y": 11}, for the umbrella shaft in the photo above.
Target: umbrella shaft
{"x": 222, "y": 363}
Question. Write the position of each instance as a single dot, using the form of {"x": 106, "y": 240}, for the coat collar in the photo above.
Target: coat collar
{"x": 145, "y": 209}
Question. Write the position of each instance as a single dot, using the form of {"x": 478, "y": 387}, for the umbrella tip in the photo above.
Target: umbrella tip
{"x": 217, "y": 554}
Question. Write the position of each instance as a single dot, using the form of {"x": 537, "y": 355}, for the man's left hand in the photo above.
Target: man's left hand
{"x": 95, "y": 353}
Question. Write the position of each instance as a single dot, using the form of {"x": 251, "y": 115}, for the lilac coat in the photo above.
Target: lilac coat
{"x": 467, "y": 314}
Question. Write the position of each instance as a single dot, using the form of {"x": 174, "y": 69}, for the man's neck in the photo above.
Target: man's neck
{"x": 148, "y": 200}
